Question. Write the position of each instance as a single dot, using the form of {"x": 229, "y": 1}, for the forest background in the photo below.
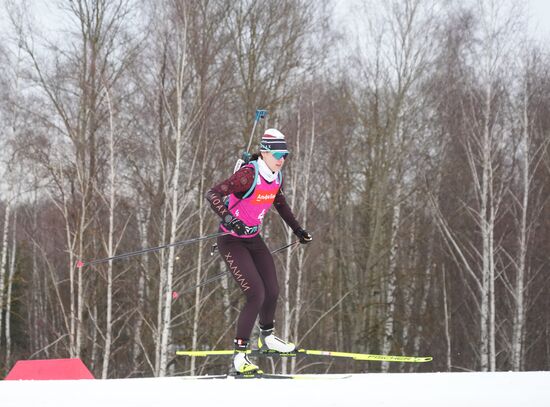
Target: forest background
{"x": 420, "y": 162}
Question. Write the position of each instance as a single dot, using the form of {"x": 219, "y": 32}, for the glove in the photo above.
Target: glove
{"x": 305, "y": 237}
{"x": 235, "y": 224}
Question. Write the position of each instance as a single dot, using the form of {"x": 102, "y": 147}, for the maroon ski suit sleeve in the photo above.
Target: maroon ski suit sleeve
{"x": 237, "y": 184}
{"x": 284, "y": 210}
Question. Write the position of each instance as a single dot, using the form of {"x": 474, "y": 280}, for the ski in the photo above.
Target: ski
{"x": 312, "y": 352}
{"x": 257, "y": 375}
{"x": 261, "y": 375}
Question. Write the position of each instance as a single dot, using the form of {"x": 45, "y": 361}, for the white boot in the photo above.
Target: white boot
{"x": 267, "y": 342}
{"x": 242, "y": 364}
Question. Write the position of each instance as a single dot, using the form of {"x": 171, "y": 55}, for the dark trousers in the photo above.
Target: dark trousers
{"x": 251, "y": 265}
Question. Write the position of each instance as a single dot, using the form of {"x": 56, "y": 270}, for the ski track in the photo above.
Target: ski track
{"x": 503, "y": 389}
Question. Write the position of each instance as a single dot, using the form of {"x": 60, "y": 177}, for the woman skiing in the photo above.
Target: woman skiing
{"x": 252, "y": 190}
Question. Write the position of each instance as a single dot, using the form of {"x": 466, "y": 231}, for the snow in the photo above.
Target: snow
{"x": 503, "y": 389}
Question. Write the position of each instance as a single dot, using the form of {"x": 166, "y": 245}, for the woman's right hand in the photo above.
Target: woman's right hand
{"x": 234, "y": 224}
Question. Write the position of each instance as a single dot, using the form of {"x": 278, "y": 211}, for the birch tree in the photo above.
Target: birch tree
{"x": 11, "y": 274}
{"x": 184, "y": 110}
{"x": 110, "y": 244}
{"x": 77, "y": 118}
{"x": 143, "y": 218}
{"x": 269, "y": 42}
{"x": 395, "y": 59}
{"x": 8, "y": 134}
{"x": 3, "y": 260}
{"x": 483, "y": 152}
{"x": 526, "y": 201}
{"x": 485, "y": 144}
{"x": 297, "y": 197}
{"x": 177, "y": 124}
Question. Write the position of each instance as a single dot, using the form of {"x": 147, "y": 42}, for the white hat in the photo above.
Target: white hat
{"x": 273, "y": 140}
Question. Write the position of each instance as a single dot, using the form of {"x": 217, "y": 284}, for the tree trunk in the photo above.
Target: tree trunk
{"x": 3, "y": 260}
{"x": 166, "y": 298}
{"x": 161, "y": 288}
{"x": 486, "y": 225}
{"x": 427, "y": 280}
{"x": 143, "y": 221}
{"x": 391, "y": 279}
{"x": 287, "y": 307}
{"x": 174, "y": 208}
{"x": 300, "y": 266}
{"x": 10, "y": 286}
{"x": 110, "y": 248}
{"x": 518, "y": 323}
{"x": 447, "y": 321}
{"x": 198, "y": 275}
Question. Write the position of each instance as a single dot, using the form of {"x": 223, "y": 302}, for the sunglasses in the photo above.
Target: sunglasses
{"x": 278, "y": 155}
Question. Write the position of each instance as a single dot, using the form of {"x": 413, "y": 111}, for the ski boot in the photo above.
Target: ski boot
{"x": 242, "y": 365}
{"x": 269, "y": 343}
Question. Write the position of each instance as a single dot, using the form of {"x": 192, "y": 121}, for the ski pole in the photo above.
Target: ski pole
{"x": 81, "y": 264}
{"x": 214, "y": 248}
{"x": 280, "y": 249}
{"x": 175, "y": 295}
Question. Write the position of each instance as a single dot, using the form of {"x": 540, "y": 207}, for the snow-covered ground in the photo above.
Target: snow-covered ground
{"x": 529, "y": 389}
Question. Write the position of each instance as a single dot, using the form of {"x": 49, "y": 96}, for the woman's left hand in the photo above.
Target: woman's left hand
{"x": 305, "y": 236}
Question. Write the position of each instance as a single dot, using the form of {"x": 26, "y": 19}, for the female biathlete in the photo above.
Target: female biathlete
{"x": 252, "y": 191}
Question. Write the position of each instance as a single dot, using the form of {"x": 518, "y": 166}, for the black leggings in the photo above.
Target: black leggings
{"x": 251, "y": 264}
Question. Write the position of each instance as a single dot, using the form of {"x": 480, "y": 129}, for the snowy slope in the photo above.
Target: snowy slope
{"x": 529, "y": 389}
